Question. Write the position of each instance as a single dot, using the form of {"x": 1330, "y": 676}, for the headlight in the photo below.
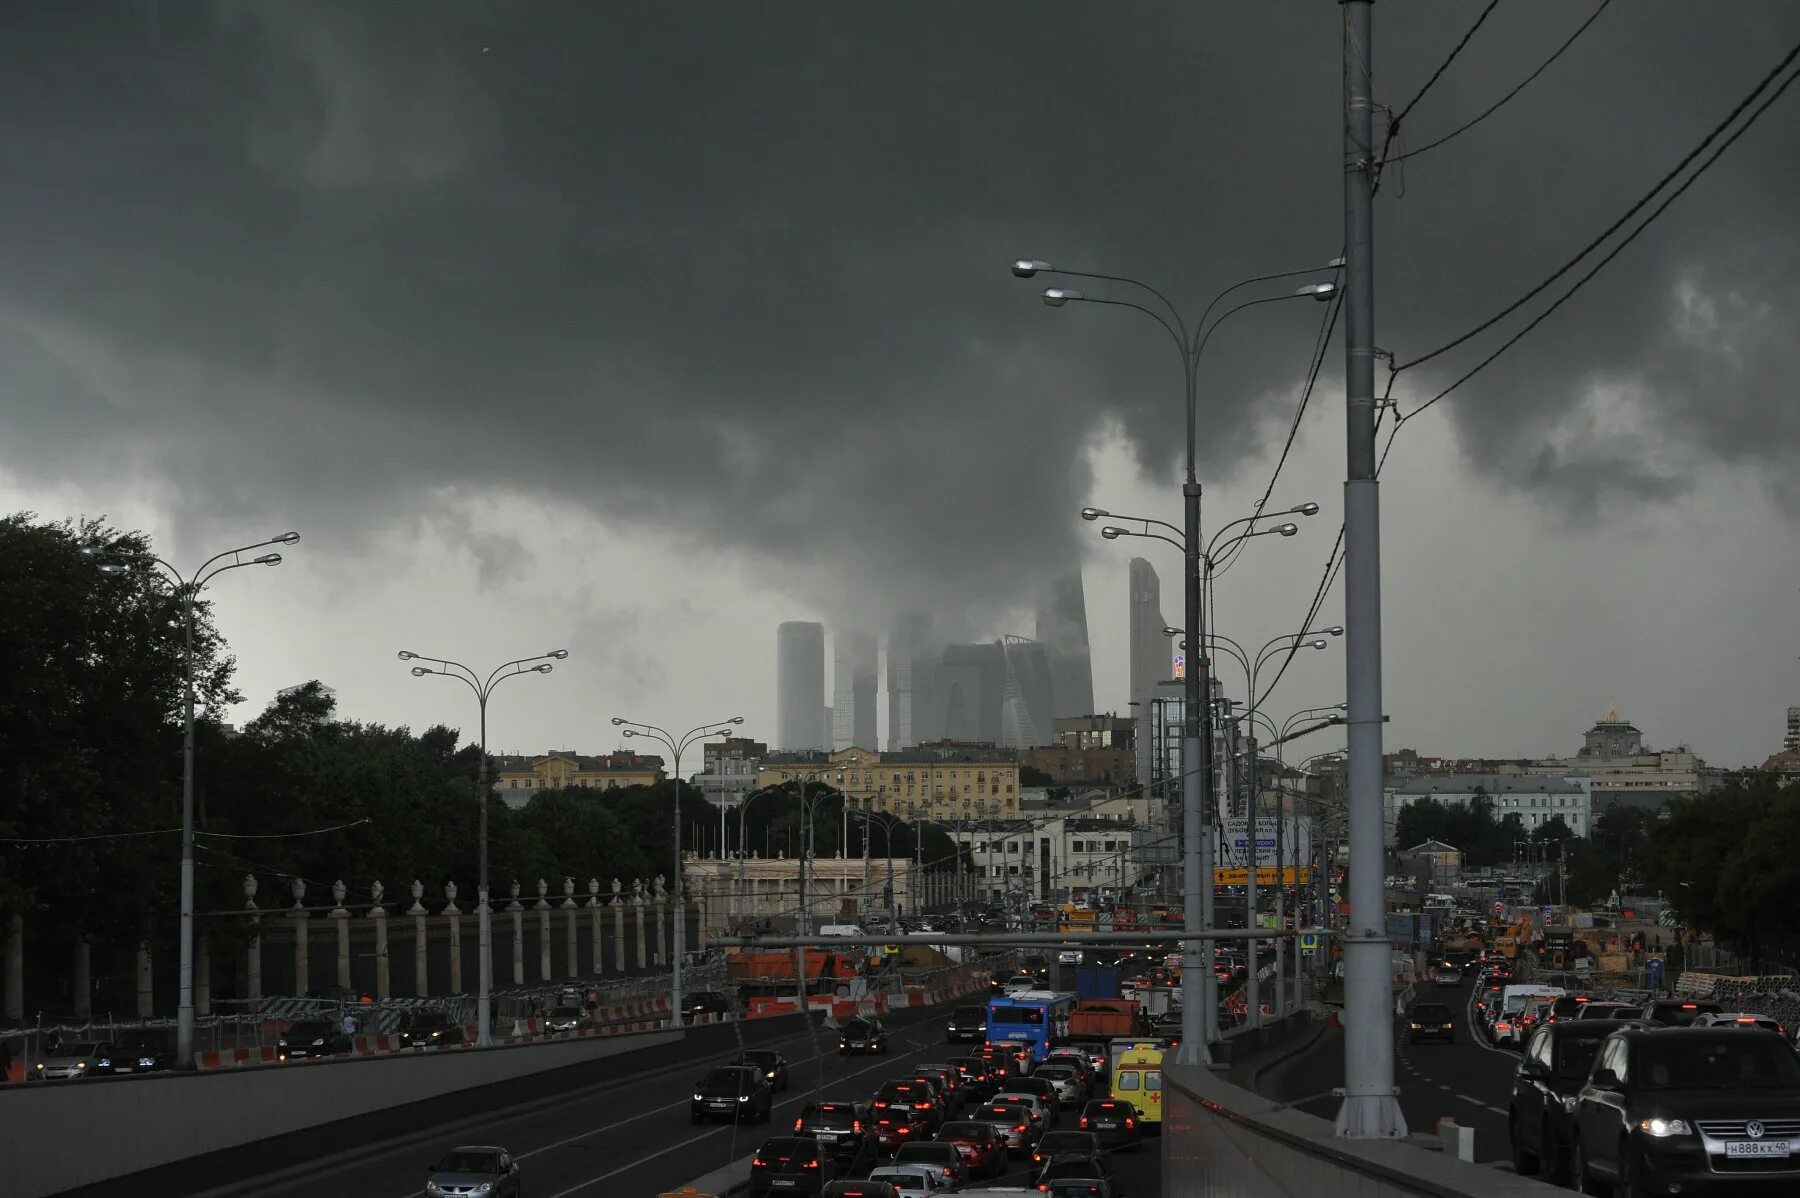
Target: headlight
{"x": 483, "y": 1188}
{"x": 1413, "y": 1026}
{"x": 743, "y": 1098}
{"x": 1661, "y": 1128}
{"x": 81, "y": 1064}
{"x": 431, "y": 1187}
{"x": 699, "y": 1098}
{"x": 281, "y": 1043}
{"x": 319, "y": 1043}
{"x": 1570, "y": 1102}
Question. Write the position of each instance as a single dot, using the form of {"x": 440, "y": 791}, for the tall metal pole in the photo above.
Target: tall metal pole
{"x": 680, "y": 933}
{"x": 484, "y": 1000}
{"x": 1253, "y": 999}
{"x": 1370, "y": 1108}
{"x": 1199, "y": 1020}
{"x": 805, "y": 855}
{"x": 184, "y": 1015}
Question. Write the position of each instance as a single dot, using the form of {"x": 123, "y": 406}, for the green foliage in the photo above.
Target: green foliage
{"x": 1726, "y": 861}
{"x": 1470, "y": 827}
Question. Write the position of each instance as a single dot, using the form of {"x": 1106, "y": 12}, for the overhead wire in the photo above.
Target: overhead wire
{"x": 1395, "y": 123}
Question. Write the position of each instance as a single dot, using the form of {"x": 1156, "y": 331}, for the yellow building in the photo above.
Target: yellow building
{"x": 943, "y": 780}
{"x": 515, "y": 776}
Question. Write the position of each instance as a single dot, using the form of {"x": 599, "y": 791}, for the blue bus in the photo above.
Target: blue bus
{"x": 1033, "y": 1019}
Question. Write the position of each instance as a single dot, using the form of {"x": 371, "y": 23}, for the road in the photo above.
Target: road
{"x": 621, "y": 1129}
{"x": 1468, "y": 1081}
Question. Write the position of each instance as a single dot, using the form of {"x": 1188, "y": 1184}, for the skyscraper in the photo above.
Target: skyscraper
{"x": 1150, "y": 656}
{"x": 855, "y": 673}
{"x": 800, "y": 686}
{"x": 1062, "y": 629}
{"x": 968, "y": 693}
{"x": 1026, "y": 699}
{"x": 911, "y": 671}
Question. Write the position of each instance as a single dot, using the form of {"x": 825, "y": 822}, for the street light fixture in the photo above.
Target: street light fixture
{"x": 186, "y": 592}
{"x": 1094, "y": 513}
{"x": 1025, "y": 268}
{"x": 483, "y": 688}
{"x": 1056, "y": 297}
{"x": 675, "y": 745}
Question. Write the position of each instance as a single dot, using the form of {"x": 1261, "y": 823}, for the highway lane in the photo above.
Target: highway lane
{"x": 627, "y": 1133}
{"x": 1469, "y": 1080}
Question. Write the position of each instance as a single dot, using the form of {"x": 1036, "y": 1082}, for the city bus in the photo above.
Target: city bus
{"x": 1137, "y": 1078}
{"x": 1035, "y": 1020}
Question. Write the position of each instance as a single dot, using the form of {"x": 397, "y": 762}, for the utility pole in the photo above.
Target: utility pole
{"x": 1370, "y": 1109}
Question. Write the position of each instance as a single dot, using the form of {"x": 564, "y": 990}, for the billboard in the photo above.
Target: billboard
{"x": 1237, "y": 841}
{"x": 1264, "y": 876}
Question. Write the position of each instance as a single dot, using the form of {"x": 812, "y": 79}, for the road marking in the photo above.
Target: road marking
{"x": 1497, "y": 1110}
{"x": 1472, "y": 1101}
{"x": 1442, "y": 1086}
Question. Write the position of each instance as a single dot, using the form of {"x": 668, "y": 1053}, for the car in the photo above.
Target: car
{"x": 1035, "y": 1106}
{"x": 909, "y": 1181}
{"x": 1065, "y": 1144}
{"x": 142, "y": 1052}
{"x": 905, "y": 1111}
{"x": 1076, "y": 1167}
{"x": 474, "y": 1169}
{"x": 771, "y": 1064}
{"x": 564, "y": 1019}
{"x": 1448, "y": 975}
{"x": 432, "y": 1029}
{"x": 311, "y": 1038}
{"x": 1676, "y": 1012}
{"x": 1535, "y": 1013}
{"x": 846, "y": 1128}
{"x": 1430, "y": 1021}
{"x": 983, "y": 1152}
{"x": 1066, "y": 1080}
{"x": 910, "y": 1093}
{"x": 1068, "y": 956}
{"x": 1067, "y": 1179}
{"x": 862, "y": 1036}
{"x": 1076, "y": 1056}
{"x": 736, "y": 1093}
{"x": 1739, "y": 1019}
{"x": 74, "y": 1060}
{"x": 791, "y": 1165}
{"x": 943, "y": 1161}
{"x": 1567, "y": 1006}
{"x": 1706, "y": 1109}
{"x": 1551, "y": 1070}
{"x": 705, "y": 1002}
{"x": 947, "y": 1079}
{"x": 1113, "y": 1121}
{"x": 1011, "y": 1121}
{"x": 1043, "y": 1087}
{"x": 1609, "y": 1010}
{"x": 855, "y": 1188}
{"x": 1097, "y": 1055}
{"x": 967, "y": 1025}
{"x": 979, "y": 1079}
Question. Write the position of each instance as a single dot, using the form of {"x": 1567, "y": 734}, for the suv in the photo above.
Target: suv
{"x": 1567, "y": 1006}
{"x": 1740, "y": 1019}
{"x": 1430, "y": 1019}
{"x": 313, "y": 1038}
{"x": 968, "y": 1025}
{"x": 1675, "y": 1012}
{"x": 861, "y": 1035}
{"x": 1555, "y": 1062}
{"x": 846, "y": 1128}
{"x": 1113, "y": 1122}
{"x": 791, "y": 1165}
{"x": 979, "y": 1079}
{"x": 1708, "y": 1109}
{"x": 429, "y": 1029}
{"x": 1065, "y": 1144}
{"x": 734, "y": 1092}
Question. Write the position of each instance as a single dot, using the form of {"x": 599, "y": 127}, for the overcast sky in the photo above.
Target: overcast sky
{"x": 638, "y": 328}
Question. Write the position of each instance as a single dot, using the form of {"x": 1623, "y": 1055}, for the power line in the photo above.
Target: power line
{"x": 1618, "y": 224}
{"x": 1394, "y": 124}
{"x": 1497, "y": 104}
{"x": 1616, "y": 250}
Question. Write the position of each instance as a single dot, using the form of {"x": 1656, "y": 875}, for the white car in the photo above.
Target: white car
{"x": 1065, "y": 1078}
{"x": 1040, "y": 1112}
{"x": 1069, "y": 956}
{"x": 1745, "y": 1019}
{"x": 910, "y": 1180}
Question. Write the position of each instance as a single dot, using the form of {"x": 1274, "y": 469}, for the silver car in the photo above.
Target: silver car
{"x": 75, "y": 1060}
{"x": 1067, "y": 1081}
{"x": 474, "y": 1170}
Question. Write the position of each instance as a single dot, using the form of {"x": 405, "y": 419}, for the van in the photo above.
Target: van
{"x": 1506, "y": 1027}
{"x": 840, "y": 929}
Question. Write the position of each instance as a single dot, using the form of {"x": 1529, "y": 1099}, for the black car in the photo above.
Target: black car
{"x": 1711, "y": 1110}
{"x": 846, "y": 1128}
{"x": 430, "y": 1029}
{"x": 1113, "y": 1121}
{"x": 1552, "y": 1068}
{"x": 771, "y": 1064}
{"x": 913, "y": 1100}
{"x": 862, "y": 1036}
{"x": 1065, "y": 1144}
{"x": 312, "y": 1038}
{"x": 1078, "y": 1168}
{"x": 733, "y": 1092}
{"x": 1676, "y": 1012}
{"x": 791, "y": 1165}
{"x": 980, "y": 1081}
{"x": 968, "y": 1025}
{"x": 142, "y": 1052}
{"x": 1430, "y": 1021}
{"x": 704, "y": 1002}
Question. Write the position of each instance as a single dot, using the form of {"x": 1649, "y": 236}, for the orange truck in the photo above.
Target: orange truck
{"x": 1104, "y": 1017}
{"x": 823, "y": 970}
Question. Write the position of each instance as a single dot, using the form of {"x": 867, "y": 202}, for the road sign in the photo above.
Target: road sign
{"x": 1264, "y": 876}
{"x": 1309, "y": 942}
{"x": 1549, "y": 914}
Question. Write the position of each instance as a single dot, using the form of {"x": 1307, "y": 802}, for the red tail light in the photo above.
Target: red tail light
{"x": 856, "y": 1125}
{"x": 921, "y": 1106}
{"x": 798, "y": 1123}
{"x": 1084, "y": 1123}
{"x": 809, "y": 1164}
{"x": 1022, "y": 1127}
{"x": 1130, "y": 1123}
{"x": 757, "y": 1162}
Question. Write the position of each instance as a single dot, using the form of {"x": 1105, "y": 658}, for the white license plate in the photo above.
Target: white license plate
{"x": 1777, "y": 1148}
{"x": 1105, "y": 1125}
{"x": 783, "y": 1183}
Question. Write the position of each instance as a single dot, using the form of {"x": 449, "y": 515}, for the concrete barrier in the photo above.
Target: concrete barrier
{"x": 88, "y": 1131}
{"x": 1221, "y": 1141}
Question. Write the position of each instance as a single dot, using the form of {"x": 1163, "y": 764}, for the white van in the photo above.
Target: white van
{"x": 840, "y": 929}
{"x": 1507, "y": 1027}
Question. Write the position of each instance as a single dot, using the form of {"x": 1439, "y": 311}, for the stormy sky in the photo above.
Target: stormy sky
{"x": 638, "y": 328}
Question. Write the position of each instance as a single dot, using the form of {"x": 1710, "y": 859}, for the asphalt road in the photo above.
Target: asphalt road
{"x": 1468, "y": 1080}
{"x": 623, "y": 1131}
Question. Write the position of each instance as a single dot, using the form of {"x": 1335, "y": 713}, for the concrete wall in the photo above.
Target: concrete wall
{"x": 1220, "y": 1141}
{"x": 88, "y": 1131}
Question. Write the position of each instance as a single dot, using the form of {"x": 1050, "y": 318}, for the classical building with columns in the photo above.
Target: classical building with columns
{"x": 751, "y": 890}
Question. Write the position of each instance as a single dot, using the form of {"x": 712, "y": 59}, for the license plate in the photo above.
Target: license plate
{"x": 783, "y": 1183}
{"x": 826, "y": 1138}
{"x": 1105, "y": 1125}
{"x": 1776, "y": 1148}
{"x": 721, "y": 1106}
{"x": 121, "y": 1068}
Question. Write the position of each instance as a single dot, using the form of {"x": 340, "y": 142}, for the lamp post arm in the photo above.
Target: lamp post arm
{"x": 1202, "y": 333}
{"x": 1286, "y": 274}
{"x": 1180, "y": 342}
{"x": 235, "y": 552}
{"x": 1174, "y": 312}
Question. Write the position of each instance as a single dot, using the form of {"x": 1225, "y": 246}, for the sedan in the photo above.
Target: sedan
{"x": 474, "y": 1169}
{"x": 142, "y": 1052}
{"x": 1114, "y": 1121}
{"x": 74, "y": 1061}
{"x": 983, "y": 1152}
{"x": 312, "y": 1039}
{"x": 430, "y": 1029}
{"x": 1448, "y": 975}
{"x": 908, "y": 1181}
{"x": 862, "y": 1036}
{"x": 967, "y": 1025}
{"x": 1011, "y": 1122}
{"x": 564, "y": 1019}
{"x": 1066, "y": 1080}
{"x": 792, "y": 1165}
{"x": 771, "y": 1064}
{"x": 1430, "y": 1021}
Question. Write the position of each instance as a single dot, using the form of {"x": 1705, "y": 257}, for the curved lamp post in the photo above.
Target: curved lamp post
{"x": 483, "y": 688}
{"x": 186, "y": 592}
{"x": 675, "y": 745}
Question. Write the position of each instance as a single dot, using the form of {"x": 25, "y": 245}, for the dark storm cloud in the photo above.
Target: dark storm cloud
{"x": 739, "y": 271}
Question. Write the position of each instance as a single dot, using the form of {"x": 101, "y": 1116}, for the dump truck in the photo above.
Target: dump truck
{"x": 1104, "y": 1018}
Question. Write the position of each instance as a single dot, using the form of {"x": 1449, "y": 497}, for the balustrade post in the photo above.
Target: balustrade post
{"x": 637, "y": 915}
{"x": 378, "y": 913}
{"x": 518, "y": 945}
{"x": 253, "y": 948}
{"x": 593, "y": 906}
{"x": 299, "y": 915}
{"x": 618, "y": 914}
{"x": 421, "y": 942}
{"x": 542, "y": 907}
{"x": 572, "y": 963}
{"x": 341, "y": 918}
{"x": 661, "y": 900}
{"x": 455, "y": 914}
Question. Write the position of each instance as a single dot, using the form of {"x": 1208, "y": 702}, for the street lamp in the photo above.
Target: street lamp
{"x": 1199, "y": 1021}
{"x": 483, "y": 688}
{"x": 186, "y": 592}
{"x": 675, "y": 746}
